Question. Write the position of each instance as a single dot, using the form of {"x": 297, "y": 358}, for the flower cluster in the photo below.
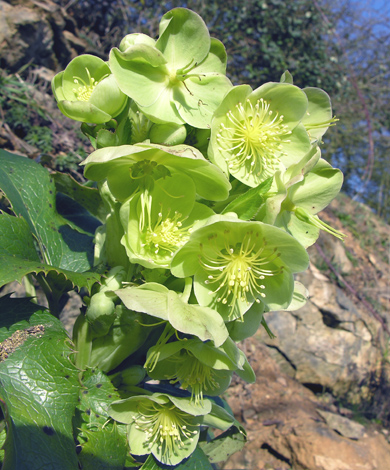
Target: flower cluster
{"x": 211, "y": 193}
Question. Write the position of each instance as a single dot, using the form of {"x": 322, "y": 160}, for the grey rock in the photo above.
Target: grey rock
{"x": 328, "y": 343}
{"x": 342, "y": 425}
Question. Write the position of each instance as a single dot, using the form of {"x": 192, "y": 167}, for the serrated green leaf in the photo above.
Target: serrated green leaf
{"x": 18, "y": 258}
{"x": 226, "y": 444}
{"x": 39, "y": 394}
{"x": 247, "y": 205}
{"x": 3, "y": 435}
{"x": 103, "y": 444}
{"x": 105, "y": 449}
{"x": 31, "y": 192}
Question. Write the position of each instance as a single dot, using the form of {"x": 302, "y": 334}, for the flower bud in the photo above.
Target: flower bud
{"x": 168, "y": 134}
{"x": 86, "y": 91}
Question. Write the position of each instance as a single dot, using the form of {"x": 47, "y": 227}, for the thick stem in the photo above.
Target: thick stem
{"x": 82, "y": 338}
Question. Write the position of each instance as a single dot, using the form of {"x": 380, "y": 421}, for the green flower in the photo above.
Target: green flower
{"x": 199, "y": 367}
{"x": 298, "y": 194}
{"x": 180, "y": 78}
{"x": 86, "y": 91}
{"x": 256, "y": 133}
{"x": 164, "y": 425}
{"x": 237, "y": 263}
{"x": 131, "y": 168}
{"x": 152, "y": 234}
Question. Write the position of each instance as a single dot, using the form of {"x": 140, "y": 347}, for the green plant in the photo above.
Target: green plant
{"x": 180, "y": 249}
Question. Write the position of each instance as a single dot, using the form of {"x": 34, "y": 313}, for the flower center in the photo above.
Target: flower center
{"x": 191, "y": 373}
{"x": 84, "y": 91}
{"x": 167, "y": 235}
{"x": 238, "y": 271}
{"x": 165, "y": 426}
{"x": 253, "y": 140}
{"x": 140, "y": 127}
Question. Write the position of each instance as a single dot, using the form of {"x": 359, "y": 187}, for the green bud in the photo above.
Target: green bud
{"x": 86, "y": 91}
{"x": 101, "y": 313}
{"x": 132, "y": 376}
{"x": 168, "y": 134}
{"x": 134, "y": 39}
{"x": 114, "y": 279}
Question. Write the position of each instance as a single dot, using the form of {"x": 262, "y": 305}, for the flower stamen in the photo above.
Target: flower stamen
{"x": 166, "y": 425}
{"x": 191, "y": 373}
{"x": 253, "y": 140}
{"x": 237, "y": 271}
{"x": 84, "y": 90}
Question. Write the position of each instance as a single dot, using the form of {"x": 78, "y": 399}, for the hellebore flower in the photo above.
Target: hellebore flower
{"x": 86, "y": 91}
{"x": 180, "y": 78}
{"x": 131, "y": 168}
{"x": 237, "y": 263}
{"x": 199, "y": 367}
{"x": 298, "y": 194}
{"x": 256, "y": 133}
{"x": 166, "y": 426}
{"x": 152, "y": 236}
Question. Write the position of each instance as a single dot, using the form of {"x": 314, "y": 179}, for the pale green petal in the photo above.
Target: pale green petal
{"x": 56, "y": 86}
{"x": 200, "y": 321}
{"x": 215, "y": 61}
{"x": 108, "y": 97}
{"x": 288, "y": 100}
{"x": 184, "y": 38}
{"x": 114, "y": 162}
{"x": 318, "y": 189}
{"x": 190, "y": 407}
{"x": 247, "y": 373}
{"x": 135, "y": 38}
{"x": 82, "y": 68}
{"x": 296, "y": 172}
{"x": 318, "y": 116}
{"x": 248, "y": 326}
{"x": 218, "y": 418}
{"x": 295, "y": 146}
{"x": 83, "y": 111}
{"x": 300, "y": 296}
{"x": 143, "y": 82}
{"x": 197, "y": 102}
{"x": 155, "y": 299}
{"x": 307, "y": 234}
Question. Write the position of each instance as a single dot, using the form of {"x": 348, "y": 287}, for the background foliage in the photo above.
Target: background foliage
{"x": 340, "y": 46}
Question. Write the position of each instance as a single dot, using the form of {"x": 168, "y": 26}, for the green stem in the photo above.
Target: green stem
{"x": 52, "y": 296}
{"x": 187, "y": 289}
{"x": 82, "y": 338}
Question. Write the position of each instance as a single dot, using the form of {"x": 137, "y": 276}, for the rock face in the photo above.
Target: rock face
{"x": 289, "y": 427}
{"x": 36, "y": 32}
{"x": 338, "y": 341}
{"x": 328, "y": 343}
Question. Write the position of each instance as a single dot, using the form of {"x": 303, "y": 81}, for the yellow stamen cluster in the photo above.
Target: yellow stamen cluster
{"x": 165, "y": 426}
{"x": 84, "y": 90}
{"x": 253, "y": 140}
{"x": 238, "y": 271}
{"x": 195, "y": 375}
{"x": 167, "y": 234}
